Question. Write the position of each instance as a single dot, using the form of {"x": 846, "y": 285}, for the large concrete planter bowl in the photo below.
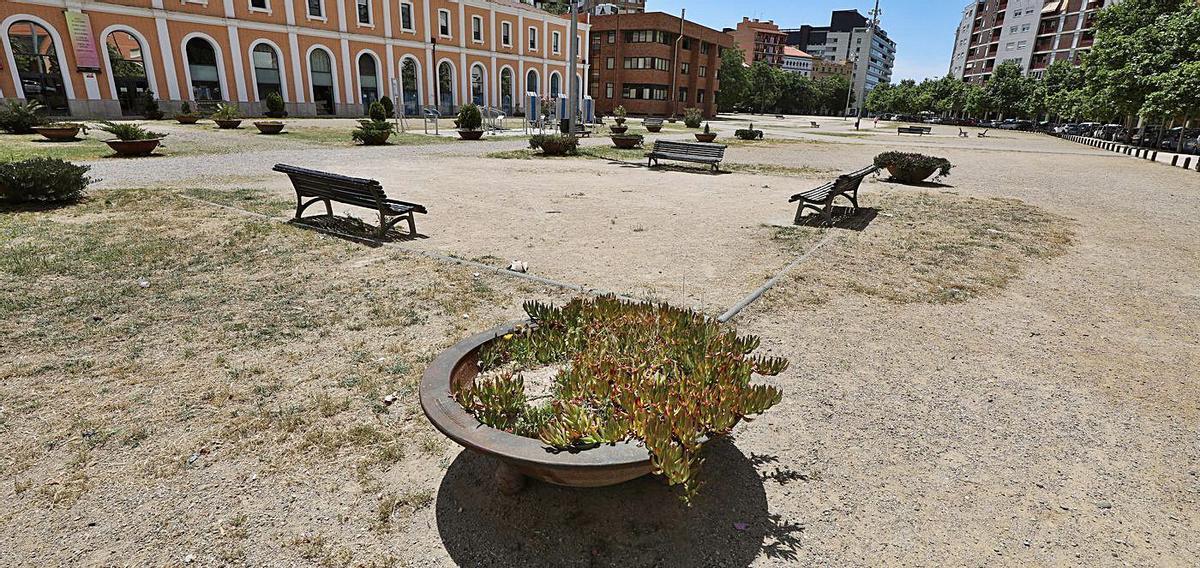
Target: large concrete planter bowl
{"x": 58, "y": 133}
{"x": 625, "y": 142}
{"x": 228, "y": 124}
{"x": 702, "y": 137}
{"x": 269, "y": 127}
{"x": 187, "y": 118}
{"x": 911, "y": 175}
{"x": 133, "y": 147}
{"x": 470, "y": 134}
{"x": 519, "y": 456}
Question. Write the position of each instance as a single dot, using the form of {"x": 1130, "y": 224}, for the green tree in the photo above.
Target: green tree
{"x": 797, "y": 94}
{"x": 882, "y": 98}
{"x": 735, "y": 80}
{"x": 1007, "y": 90}
{"x": 765, "y": 86}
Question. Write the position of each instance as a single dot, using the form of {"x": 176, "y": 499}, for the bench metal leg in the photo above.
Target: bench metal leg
{"x": 799, "y": 214}
{"x": 412, "y": 225}
{"x": 383, "y": 225}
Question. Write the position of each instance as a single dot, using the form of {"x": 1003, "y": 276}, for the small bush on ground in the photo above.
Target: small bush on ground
{"x": 376, "y": 112}
{"x": 904, "y": 161}
{"x": 748, "y": 133}
{"x": 692, "y": 117}
{"x": 150, "y": 106}
{"x": 388, "y": 106}
{"x": 554, "y": 144}
{"x": 128, "y": 131}
{"x": 48, "y": 180}
{"x": 185, "y": 109}
{"x": 275, "y": 105}
{"x": 21, "y": 118}
{"x": 469, "y": 117}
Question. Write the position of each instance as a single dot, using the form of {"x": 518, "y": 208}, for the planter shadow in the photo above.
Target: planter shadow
{"x": 843, "y": 218}
{"x": 637, "y": 523}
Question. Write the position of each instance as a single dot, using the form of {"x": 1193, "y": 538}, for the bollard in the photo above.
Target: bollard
{"x": 1175, "y": 160}
{"x": 1198, "y": 164}
{"x": 1154, "y": 156}
{"x": 1187, "y": 163}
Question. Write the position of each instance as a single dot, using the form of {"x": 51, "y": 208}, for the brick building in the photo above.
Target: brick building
{"x": 95, "y": 58}
{"x": 654, "y": 64}
{"x": 823, "y": 68}
{"x": 761, "y": 41}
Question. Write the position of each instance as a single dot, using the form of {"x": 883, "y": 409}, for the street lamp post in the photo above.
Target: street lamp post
{"x": 862, "y": 106}
{"x": 573, "y": 103}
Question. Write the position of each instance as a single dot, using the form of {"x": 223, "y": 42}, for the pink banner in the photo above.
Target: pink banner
{"x": 79, "y": 25}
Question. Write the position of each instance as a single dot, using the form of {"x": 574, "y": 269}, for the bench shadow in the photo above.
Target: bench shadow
{"x": 352, "y": 229}
{"x": 638, "y": 523}
{"x": 925, "y": 184}
{"x": 673, "y": 168}
{"x": 843, "y": 218}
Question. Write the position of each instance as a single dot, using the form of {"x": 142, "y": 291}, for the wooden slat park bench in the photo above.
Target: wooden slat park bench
{"x": 325, "y": 187}
{"x": 814, "y": 124}
{"x": 922, "y": 130}
{"x": 821, "y": 199}
{"x": 696, "y": 152}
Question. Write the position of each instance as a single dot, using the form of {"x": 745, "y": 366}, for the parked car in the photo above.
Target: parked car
{"x": 1108, "y": 131}
{"x": 1170, "y": 140}
{"x": 1146, "y": 136}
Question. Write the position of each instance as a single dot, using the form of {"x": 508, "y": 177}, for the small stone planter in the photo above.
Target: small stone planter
{"x": 59, "y": 133}
{"x": 910, "y": 175}
{"x": 269, "y": 126}
{"x": 654, "y": 129}
{"x": 229, "y": 124}
{"x": 134, "y": 147}
{"x": 705, "y": 137}
{"x": 519, "y": 457}
{"x": 627, "y": 142}
{"x": 470, "y": 134}
{"x": 618, "y": 129}
{"x": 187, "y": 118}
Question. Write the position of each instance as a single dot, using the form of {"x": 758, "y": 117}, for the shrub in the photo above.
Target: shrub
{"x": 706, "y": 130}
{"x": 748, "y": 134}
{"x": 372, "y": 132}
{"x": 275, "y": 105}
{"x": 666, "y": 376}
{"x": 692, "y": 117}
{"x": 128, "y": 131}
{"x": 907, "y": 162}
{"x": 150, "y": 106}
{"x": 49, "y": 180}
{"x": 547, "y": 108}
{"x": 388, "y": 106}
{"x": 21, "y": 118}
{"x": 185, "y": 109}
{"x": 376, "y": 112}
{"x": 226, "y": 111}
{"x": 554, "y": 144}
{"x": 619, "y": 112}
{"x": 469, "y": 117}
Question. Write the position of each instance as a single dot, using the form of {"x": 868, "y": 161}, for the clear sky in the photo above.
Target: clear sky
{"x": 922, "y": 29}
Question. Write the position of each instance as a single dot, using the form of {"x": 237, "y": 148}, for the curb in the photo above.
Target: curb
{"x": 1187, "y": 162}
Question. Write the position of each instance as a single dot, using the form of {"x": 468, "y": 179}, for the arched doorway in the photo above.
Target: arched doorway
{"x": 555, "y": 85}
{"x": 506, "y": 90}
{"x": 320, "y": 72}
{"x": 128, "y": 68}
{"x": 267, "y": 77}
{"x": 446, "y": 88}
{"x": 202, "y": 68}
{"x": 36, "y": 59}
{"x": 410, "y": 87}
{"x": 477, "y": 85}
{"x": 368, "y": 79}
{"x": 532, "y": 82}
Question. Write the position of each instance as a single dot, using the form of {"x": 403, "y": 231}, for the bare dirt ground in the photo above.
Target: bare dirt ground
{"x": 995, "y": 370}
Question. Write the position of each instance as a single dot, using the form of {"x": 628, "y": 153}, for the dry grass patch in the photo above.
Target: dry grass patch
{"x": 929, "y": 247}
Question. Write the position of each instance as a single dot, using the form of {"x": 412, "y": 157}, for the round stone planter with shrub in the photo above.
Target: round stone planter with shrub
{"x": 913, "y": 168}
{"x": 654, "y": 128}
{"x": 269, "y": 126}
{"x": 618, "y": 129}
{"x": 375, "y": 130}
{"x": 707, "y": 136}
{"x": 185, "y": 115}
{"x": 470, "y": 122}
{"x": 554, "y": 144}
{"x": 606, "y": 421}
{"x": 21, "y": 118}
{"x": 227, "y": 117}
{"x": 132, "y": 139}
{"x": 748, "y": 133}
{"x": 627, "y": 141}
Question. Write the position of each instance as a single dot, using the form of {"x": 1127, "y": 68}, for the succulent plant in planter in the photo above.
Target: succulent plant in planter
{"x": 61, "y": 131}
{"x": 668, "y": 378}
{"x": 132, "y": 139}
{"x": 21, "y": 118}
{"x": 692, "y": 117}
{"x": 619, "y": 114}
{"x": 185, "y": 114}
{"x": 748, "y": 133}
{"x": 227, "y": 116}
{"x": 627, "y": 141}
{"x": 554, "y": 144}
{"x": 275, "y": 106}
{"x": 707, "y": 136}
{"x": 913, "y": 168}
{"x": 470, "y": 122}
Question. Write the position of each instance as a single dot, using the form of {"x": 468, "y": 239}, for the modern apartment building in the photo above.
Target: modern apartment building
{"x": 760, "y": 40}
{"x": 1031, "y": 33}
{"x": 654, "y": 64}
{"x": 849, "y": 37}
{"x": 796, "y": 61}
{"x": 96, "y": 57}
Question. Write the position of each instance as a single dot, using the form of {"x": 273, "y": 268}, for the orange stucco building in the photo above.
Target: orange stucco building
{"x": 97, "y": 58}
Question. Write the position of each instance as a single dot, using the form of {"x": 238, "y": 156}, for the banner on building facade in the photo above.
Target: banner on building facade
{"x": 83, "y": 42}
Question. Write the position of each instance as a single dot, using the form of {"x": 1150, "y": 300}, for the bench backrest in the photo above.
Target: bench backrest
{"x": 910, "y": 129}
{"x": 345, "y": 189}
{"x": 697, "y": 149}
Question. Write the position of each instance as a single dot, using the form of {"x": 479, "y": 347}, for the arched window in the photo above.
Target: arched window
{"x": 202, "y": 66}
{"x": 266, "y": 71}
{"x": 531, "y": 82}
{"x": 410, "y": 87}
{"x": 128, "y": 71}
{"x": 477, "y": 86}
{"x": 506, "y": 90}
{"x": 446, "y": 88}
{"x": 555, "y": 85}
{"x": 368, "y": 79}
{"x": 320, "y": 68}
{"x": 37, "y": 65}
